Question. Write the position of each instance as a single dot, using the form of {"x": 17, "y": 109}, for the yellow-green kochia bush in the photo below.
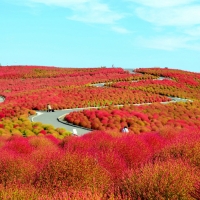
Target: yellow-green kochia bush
{"x": 23, "y": 126}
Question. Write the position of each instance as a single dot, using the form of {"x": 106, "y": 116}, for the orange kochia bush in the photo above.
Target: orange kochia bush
{"x": 164, "y": 87}
{"x": 191, "y": 79}
{"x": 171, "y": 73}
{"x": 13, "y": 72}
{"x": 155, "y": 117}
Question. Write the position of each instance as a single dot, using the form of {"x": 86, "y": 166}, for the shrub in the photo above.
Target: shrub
{"x": 196, "y": 194}
{"x": 72, "y": 171}
{"x": 185, "y": 146}
{"x": 13, "y": 167}
{"x": 18, "y": 191}
{"x": 133, "y": 149}
{"x": 18, "y": 145}
{"x": 162, "y": 180}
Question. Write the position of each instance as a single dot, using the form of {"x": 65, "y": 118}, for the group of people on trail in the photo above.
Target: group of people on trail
{"x": 49, "y": 108}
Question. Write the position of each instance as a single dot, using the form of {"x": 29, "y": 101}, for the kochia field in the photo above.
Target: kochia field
{"x": 158, "y": 159}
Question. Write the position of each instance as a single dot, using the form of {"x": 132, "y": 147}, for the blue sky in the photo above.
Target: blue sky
{"x": 93, "y": 33}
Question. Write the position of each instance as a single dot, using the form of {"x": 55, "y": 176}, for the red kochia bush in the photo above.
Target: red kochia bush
{"x": 102, "y": 147}
{"x": 162, "y": 180}
{"x": 13, "y": 167}
{"x": 154, "y": 141}
{"x": 196, "y": 193}
{"x": 43, "y": 132}
{"x": 134, "y": 150}
{"x": 18, "y": 145}
{"x": 72, "y": 171}
{"x": 185, "y": 146}
{"x": 116, "y": 154}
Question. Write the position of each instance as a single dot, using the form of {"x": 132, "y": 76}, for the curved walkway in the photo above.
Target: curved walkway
{"x": 56, "y": 118}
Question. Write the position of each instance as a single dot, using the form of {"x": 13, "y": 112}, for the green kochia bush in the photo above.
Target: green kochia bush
{"x": 24, "y": 127}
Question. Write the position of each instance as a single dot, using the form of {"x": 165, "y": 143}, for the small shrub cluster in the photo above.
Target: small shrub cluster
{"x": 22, "y": 126}
{"x": 145, "y": 118}
{"x": 186, "y": 84}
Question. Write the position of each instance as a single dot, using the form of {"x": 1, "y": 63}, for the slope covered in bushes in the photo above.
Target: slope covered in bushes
{"x": 158, "y": 159}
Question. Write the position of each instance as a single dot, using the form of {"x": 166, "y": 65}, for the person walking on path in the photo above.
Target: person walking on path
{"x": 49, "y": 109}
{"x": 125, "y": 130}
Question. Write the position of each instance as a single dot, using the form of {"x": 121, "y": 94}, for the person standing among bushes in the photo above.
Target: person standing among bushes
{"x": 49, "y": 109}
{"x": 125, "y": 130}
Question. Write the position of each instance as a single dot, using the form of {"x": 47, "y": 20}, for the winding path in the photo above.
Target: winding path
{"x": 56, "y": 118}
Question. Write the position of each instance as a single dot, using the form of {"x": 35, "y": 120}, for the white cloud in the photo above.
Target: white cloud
{"x": 94, "y": 12}
{"x": 162, "y": 3}
{"x": 89, "y": 11}
{"x": 181, "y": 17}
{"x": 178, "y": 16}
{"x": 120, "y": 29}
{"x": 168, "y": 43}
